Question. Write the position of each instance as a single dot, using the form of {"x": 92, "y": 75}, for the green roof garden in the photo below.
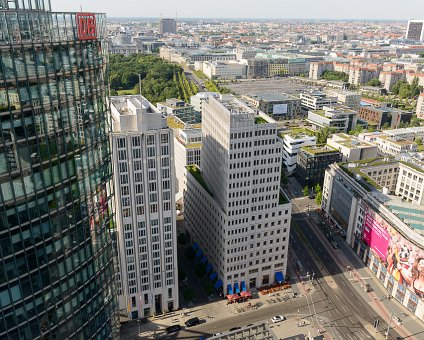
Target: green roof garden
{"x": 260, "y": 120}
{"x": 195, "y": 172}
{"x": 319, "y": 149}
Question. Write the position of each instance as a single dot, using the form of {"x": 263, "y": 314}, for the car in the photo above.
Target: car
{"x": 234, "y": 329}
{"x": 277, "y": 318}
{"x": 217, "y": 334}
{"x": 192, "y": 322}
{"x": 173, "y": 329}
{"x": 311, "y": 196}
{"x": 335, "y": 245}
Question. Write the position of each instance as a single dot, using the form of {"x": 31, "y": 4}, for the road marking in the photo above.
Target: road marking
{"x": 352, "y": 322}
{"x": 344, "y": 322}
{"x": 344, "y": 308}
{"x": 329, "y": 313}
{"x": 337, "y": 298}
{"x": 348, "y": 335}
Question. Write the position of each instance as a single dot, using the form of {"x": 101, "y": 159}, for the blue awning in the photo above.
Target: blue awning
{"x": 213, "y": 276}
{"x": 199, "y": 253}
{"x": 243, "y": 286}
{"x": 195, "y": 246}
{"x": 236, "y": 287}
{"x": 279, "y": 277}
{"x": 208, "y": 268}
{"x": 218, "y": 284}
{"x": 230, "y": 289}
{"x": 204, "y": 259}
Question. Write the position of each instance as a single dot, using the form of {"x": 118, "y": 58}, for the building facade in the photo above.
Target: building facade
{"x": 292, "y": 142}
{"x": 420, "y": 106}
{"x": 144, "y": 175}
{"x": 340, "y": 118}
{"x": 383, "y": 223}
{"x": 279, "y": 106}
{"x": 234, "y": 209}
{"x": 58, "y": 279}
{"x": 378, "y": 117}
{"x": 315, "y": 100}
{"x": 351, "y": 148}
{"x": 415, "y": 30}
{"x": 312, "y": 161}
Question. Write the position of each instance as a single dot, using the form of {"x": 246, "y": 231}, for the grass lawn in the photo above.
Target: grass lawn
{"x": 124, "y": 92}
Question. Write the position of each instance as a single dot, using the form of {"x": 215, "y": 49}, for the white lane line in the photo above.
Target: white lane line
{"x": 337, "y": 298}
{"x": 348, "y": 335}
{"x": 352, "y": 322}
{"x": 344, "y": 322}
{"x": 329, "y": 313}
{"x": 344, "y": 308}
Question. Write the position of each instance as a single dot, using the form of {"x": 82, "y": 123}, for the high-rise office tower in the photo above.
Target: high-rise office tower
{"x": 167, "y": 26}
{"x": 415, "y": 30}
{"x": 234, "y": 209}
{"x": 143, "y": 162}
{"x": 56, "y": 270}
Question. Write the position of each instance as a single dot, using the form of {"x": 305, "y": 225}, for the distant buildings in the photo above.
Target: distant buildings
{"x": 180, "y": 109}
{"x": 394, "y": 145}
{"x": 234, "y": 209}
{"x": 278, "y": 106}
{"x": 415, "y": 30}
{"x": 349, "y": 99}
{"x": 224, "y": 70}
{"x": 379, "y": 117}
{"x": 167, "y": 26}
{"x": 144, "y": 174}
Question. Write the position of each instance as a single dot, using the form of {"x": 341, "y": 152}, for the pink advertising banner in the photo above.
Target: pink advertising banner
{"x": 376, "y": 236}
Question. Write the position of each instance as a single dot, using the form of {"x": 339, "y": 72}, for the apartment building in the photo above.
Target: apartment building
{"x": 144, "y": 175}
{"x": 317, "y": 68}
{"x": 352, "y": 148}
{"x": 389, "y": 78}
{"x": 315, "y": 100}
{"x": 420, "y": 106}
{"x": 361, "y": 75}
{"x": 180, "y": 109}
{"x": 292, "y": 142}
{"x": 234, "y": 208}
{"x": 338, "y": 117}
{"x": 378, "y": 117}
{"x": 279, "y": 106}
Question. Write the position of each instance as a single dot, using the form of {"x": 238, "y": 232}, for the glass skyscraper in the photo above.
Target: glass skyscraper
{"x": 57, "y": 276}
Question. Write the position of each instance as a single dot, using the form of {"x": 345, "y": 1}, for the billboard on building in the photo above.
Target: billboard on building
{"x": 279, "y": 109}
{"x": 402, "y": 259}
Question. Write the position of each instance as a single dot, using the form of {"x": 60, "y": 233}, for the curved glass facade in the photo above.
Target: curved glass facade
{"x": 56, "y": 266}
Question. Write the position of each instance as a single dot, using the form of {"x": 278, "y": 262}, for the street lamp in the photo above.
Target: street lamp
{"x": 392, "y": 314}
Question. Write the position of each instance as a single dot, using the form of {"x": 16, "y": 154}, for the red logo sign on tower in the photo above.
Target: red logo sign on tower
{"x": 86, "y": 26}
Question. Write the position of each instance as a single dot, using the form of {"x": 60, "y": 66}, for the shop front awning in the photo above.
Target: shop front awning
{"x": 236, "y": 287}
{"x": 204, "y": 259}
{"x": 199, "y": 253}
{"x": 230, "y": 289}
{"x": 208, "y": 268}
{"x": 195, "y": 246}
{"x": 279, "y": 277}
{"x": 246, "y": 294}
{"x": 218, "y": 284}
{"x": 243, "y": 286}
{"x": 213, "y": 276}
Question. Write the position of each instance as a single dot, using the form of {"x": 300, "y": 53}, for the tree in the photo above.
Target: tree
{"x": 305, "y": 191}
{"x": 323, "y": 134}
{"x": 357, "y": 130}
{"x": 318, "y": 198}
{"x": 335, "y": 75}
{"x": 419, "y": 141}
{"x": 385, "y": 126}
{"x": 374, "y": 82}
{"x": 421, "y": 55}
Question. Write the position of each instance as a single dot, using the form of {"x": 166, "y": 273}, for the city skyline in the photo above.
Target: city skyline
{"x": 387, "y": 10}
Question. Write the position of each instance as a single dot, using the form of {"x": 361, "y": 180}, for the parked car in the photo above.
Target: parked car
{"x": 234, "y": 329}
{"x": 277, "y": 318}
{"x": 192, "y": 322}
{"x": 311, "y": 196}
{"x": 173, "y": 329}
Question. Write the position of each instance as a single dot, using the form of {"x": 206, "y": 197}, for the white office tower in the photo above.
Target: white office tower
{"x": 415, "y": 30}
{"x": 144, "y": 178}
{"x": 234, "y": 210}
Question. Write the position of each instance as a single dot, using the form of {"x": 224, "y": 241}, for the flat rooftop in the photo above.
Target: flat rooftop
{"x": 273, "y": 97}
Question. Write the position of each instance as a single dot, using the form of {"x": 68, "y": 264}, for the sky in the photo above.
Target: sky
{"x": 279, "y": 9}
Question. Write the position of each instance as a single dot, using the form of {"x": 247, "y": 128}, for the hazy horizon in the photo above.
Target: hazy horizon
{"x": 248, "y": 9}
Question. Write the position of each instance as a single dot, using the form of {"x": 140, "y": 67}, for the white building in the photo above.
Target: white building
{"x": 352, "y": 148}
{"x": 292, "y": 142}
{"x": 415, "y": 30}
{"x": 224, "y": 70}
{"x": 395, "y": 146}
{"x": 315, "y": 100}
{"x": 234, "y": 208}
{"x": 420, "y": 106}
{"x": 198, "y": 99}
{"x": 187, "y": 146}
{"x": 339, "y": 117}
{"x": 144, "y": 176}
